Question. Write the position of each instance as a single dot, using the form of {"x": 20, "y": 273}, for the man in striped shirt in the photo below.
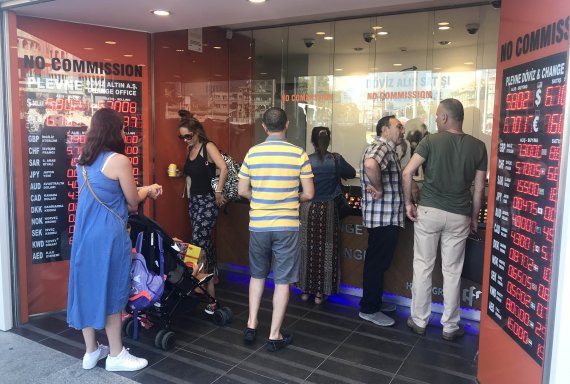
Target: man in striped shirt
{"x": 383, "y": 215}
{"x": 269, "y": 177}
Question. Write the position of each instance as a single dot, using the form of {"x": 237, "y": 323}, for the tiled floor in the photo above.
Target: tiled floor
{"x": 331, "y": 345}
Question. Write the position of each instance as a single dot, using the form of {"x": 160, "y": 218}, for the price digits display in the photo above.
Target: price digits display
{"x": 532, "y": 117}
{"x": 54, "y": 147}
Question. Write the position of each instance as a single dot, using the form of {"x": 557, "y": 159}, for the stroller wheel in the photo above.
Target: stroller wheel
{"x": 168, "y": 340}
{"x": 229, "y": 314}
{"x": 158, "y": 338}
{"x": 220, "y": 317}
{"x": 129, "y": 327}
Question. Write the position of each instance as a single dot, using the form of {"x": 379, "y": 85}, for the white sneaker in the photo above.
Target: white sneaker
{"x": 90, "y": 359}
{"x": 124, "y": 361}
{"x": 377, "y": 318}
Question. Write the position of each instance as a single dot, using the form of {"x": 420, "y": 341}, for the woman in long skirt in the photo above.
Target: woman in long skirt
{"x": 320, "y": 263}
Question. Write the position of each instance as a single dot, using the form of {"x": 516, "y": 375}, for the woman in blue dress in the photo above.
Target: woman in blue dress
{"x": 101, "y": 248}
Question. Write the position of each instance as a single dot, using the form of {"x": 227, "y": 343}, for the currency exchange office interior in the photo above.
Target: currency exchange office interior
{"x": 344, "y": 74}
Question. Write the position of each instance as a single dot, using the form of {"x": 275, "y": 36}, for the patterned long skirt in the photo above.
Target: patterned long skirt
{"x": 320, "y": 263}
{"x": 203, "y": 213}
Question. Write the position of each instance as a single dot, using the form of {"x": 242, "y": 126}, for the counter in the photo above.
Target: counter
{"x": 232, "y": 239}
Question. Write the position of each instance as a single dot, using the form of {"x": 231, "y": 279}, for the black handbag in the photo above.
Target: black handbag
{"x": 344, "y": 209}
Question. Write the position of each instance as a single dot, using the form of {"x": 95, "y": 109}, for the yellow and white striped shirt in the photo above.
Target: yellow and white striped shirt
{"x": 274, "y": 169}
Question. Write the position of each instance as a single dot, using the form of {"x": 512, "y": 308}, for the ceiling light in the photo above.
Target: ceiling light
{"x": 88, "y": 49}
{"x": 179, "y": 50}
{"x": 436, "y": 68}
{"x": 110, "y": 42}
{"x": 338, "y": 69}
{"x": 442, "y": 23}
{"x": 320, "y": 33}
{"x": 382, "y": 33}
{"x": 468, "y": 63}
{"x": 444, "y": 42}
{"x": 165, "y": 46}
{"x": 444, "y": 28}
{"x": 107, "y": 60}
{"x": 257, "y": 1}
{"x": 397, "y": 65}
{"x": 128, "y": 55}
{"x": 263, "y": 73}
{"x": 328, "y": 37}
{"x": 217, "y": 47}
{"x": 160, "y": 12}
{"x": 377, "y": 27}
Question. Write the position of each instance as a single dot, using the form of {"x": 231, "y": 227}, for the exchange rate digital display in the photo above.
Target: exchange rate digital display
{"x": 56, "y": 125}
{"x": 532, "y": 117}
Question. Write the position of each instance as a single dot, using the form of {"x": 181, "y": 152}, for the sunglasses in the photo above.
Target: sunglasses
{"x": 187, "y": 136}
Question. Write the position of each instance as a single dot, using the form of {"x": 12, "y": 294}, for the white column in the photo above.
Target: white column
{"x": 6, "y": 307}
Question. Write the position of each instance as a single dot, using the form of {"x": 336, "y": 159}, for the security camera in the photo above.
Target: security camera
{"x": 309, "y": 42}
{"x": 368, "y": 36}
{"x": 472, "y": 28}
{"x": 495, "y": 3}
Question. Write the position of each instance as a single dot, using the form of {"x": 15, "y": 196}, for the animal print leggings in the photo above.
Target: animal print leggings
{"x": 203, "y": 213}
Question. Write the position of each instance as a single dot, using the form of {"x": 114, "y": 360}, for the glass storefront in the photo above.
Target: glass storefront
{"x": 347, "y": 74}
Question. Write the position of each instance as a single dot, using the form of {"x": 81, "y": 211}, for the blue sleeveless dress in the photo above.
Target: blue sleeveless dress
{"x": 100, "y": 251}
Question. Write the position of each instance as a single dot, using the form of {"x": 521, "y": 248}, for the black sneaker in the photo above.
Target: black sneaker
{"x": 275, "y": 345}
{"x": 249, "y": 335}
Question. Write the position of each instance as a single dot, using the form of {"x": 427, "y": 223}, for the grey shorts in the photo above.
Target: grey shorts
{"x": 284, "y": 246}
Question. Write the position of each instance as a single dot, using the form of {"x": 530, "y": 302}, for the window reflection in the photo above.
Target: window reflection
{"x": 350, "y": 81}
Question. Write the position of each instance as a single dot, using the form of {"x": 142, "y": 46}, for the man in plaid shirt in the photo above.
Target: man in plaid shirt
{"x": 383, "y": 215}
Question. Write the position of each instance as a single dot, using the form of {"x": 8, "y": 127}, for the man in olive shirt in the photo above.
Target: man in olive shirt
{"x": 446, "y": 211}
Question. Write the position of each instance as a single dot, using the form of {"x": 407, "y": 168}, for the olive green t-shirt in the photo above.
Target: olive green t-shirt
{"x": 452, "y": 160}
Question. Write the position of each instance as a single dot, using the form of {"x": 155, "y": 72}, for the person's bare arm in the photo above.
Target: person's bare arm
{"x": 308, "y": 189}
{"x": 119, "y": 168}
{"x": 244, "y": 188}
{"x": 372, "y": 171}
{"x": 215, "y": 155}
{"x": 408, "y": 183}
{"x": 478, "y": 193}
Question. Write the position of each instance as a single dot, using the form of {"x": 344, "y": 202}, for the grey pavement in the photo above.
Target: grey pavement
{"x": 25, "y": 361}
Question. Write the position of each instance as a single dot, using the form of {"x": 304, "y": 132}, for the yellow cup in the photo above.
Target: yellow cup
{"x": 172, "y": 170}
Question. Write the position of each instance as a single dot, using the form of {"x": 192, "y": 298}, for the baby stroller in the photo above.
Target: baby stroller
{"x": 180, "y": 285}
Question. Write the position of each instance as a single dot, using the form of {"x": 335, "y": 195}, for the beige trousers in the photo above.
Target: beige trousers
{"x": 434, "y": 224}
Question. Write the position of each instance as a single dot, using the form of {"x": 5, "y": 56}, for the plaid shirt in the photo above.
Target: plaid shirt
{"x": 388, "y": 210}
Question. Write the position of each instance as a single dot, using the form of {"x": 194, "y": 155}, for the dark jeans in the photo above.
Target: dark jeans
{"x": 381, "y": 245}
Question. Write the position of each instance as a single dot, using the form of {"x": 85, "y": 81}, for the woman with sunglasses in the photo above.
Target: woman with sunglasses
{"x": 202, "y": 159}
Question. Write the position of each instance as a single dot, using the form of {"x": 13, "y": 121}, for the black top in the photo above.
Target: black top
{"x": 201, "y": 172}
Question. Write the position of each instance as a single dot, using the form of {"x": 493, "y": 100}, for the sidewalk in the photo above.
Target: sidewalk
{"x": 25, "y": 361}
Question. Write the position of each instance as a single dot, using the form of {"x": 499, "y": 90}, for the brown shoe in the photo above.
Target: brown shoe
{"x": 415, "y": 328}
{"x": 450, "y": 336}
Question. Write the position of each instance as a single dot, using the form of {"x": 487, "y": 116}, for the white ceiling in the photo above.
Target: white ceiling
{"x": 135, "y": 14}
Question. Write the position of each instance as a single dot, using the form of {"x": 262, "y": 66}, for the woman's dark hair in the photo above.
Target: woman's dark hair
{"x": 321, "y": 138}
{"x": 188, "y": 121}
{"x": 104, "y": 134}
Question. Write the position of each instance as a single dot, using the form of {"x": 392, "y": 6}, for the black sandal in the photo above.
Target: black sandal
{"x": 249, "y": 335}
{"x": 275, "y": 345}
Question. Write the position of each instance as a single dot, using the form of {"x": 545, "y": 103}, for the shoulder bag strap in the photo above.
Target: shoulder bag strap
{"x": 84, "y": 171}
{"x": 205, "y": 156}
